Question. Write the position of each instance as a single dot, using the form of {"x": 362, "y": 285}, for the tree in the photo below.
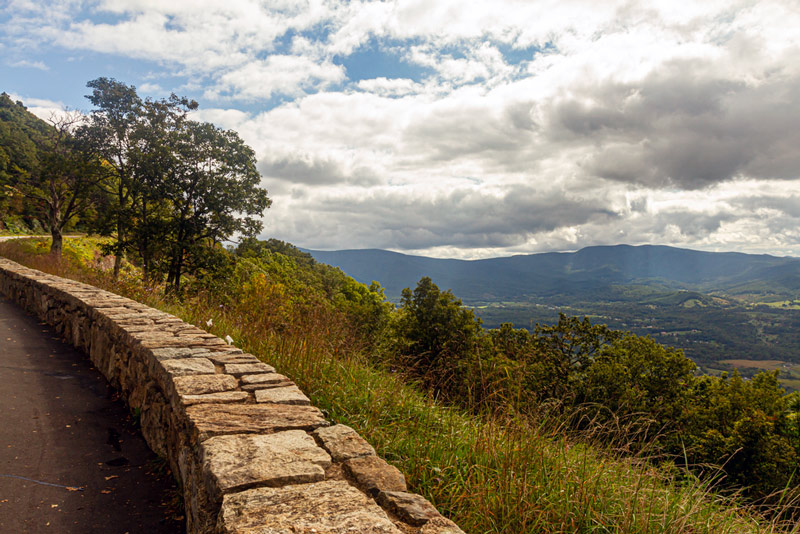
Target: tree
{"x": 110, "y": 133}
{"x": 212, "y": 188}
{"x": 153, "y": 162}
{"x": 181, "y": 186}
{"x": 568, "y": 349}
{"x": 67, "y": 179}
{"x": 127, "y": 133}
{"x": 636, "y": 375}
{"x": 435, "y": 332}
{"x": 746, "y": 427}
{"x": 22, "y": 135}
{"x": 62, "y": 183}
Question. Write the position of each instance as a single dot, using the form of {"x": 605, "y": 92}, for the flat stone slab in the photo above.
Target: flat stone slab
{"x": 240, "y": 462}
{"x": 202, "y": 384}
{"x": 270, "y": 380}
{"x": 284, "y": 395}
{"x": 219, "y": 397}
{"x": 264, "y": 378}
{"x": 343, "y": 443}
{"x": 188, "y": 366}
{"x": 210, "y": 420}
{"x": 175, "y": 353}
{"x": 412, "y": 508}
{"x": 153, "y": 342}
{"x": 239, "y": 369}
{"x": 330, "y": 507}
{"x": 373, "y": 475}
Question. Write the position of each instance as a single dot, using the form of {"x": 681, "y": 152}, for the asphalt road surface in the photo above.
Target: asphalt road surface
{"x": 71, "y": 459}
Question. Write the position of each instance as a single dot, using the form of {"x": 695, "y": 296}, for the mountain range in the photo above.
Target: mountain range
{"x": 592, "y": 272}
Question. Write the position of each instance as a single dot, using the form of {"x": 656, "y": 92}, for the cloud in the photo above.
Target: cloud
{"x": 284, "y": 74}
{"x": 466, "y": 217}
{"x": 383, "y": 86}
{"x": 29, "y": 64}
{"x": 682, "y": 127}
{"x": 309, "y": 169}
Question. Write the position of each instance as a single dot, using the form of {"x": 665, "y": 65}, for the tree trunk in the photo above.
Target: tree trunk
{"x": 55, "y": 230}
{"x": 119, "y": 253}
{"x": 58, "y": 242}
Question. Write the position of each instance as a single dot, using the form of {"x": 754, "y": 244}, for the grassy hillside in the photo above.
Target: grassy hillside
{"x": 490, "y": 472}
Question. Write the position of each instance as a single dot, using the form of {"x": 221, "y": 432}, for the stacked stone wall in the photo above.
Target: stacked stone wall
{"x": 250, "y": 453}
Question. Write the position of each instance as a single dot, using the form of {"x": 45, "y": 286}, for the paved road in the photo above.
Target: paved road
{"x": 71, "y": 461}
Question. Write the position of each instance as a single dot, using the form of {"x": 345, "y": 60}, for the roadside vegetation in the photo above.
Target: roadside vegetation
{"x": 484, "y": 462}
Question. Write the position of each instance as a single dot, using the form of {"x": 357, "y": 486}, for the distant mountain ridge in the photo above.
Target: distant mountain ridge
{"x": 591, "y": 270}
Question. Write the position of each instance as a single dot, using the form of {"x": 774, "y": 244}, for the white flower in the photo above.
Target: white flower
{"x": 210, "y": 322}
{"x": 229, "y": 339}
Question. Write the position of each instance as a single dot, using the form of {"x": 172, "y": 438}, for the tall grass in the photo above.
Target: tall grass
{"x": 489, "y": 473}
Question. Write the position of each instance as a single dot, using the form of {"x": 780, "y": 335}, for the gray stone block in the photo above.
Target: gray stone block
{"x": 202, "y": 384}
{"x": 239, "y": 462}
{"x": 283, "y": 395}
{"x": 188, "y": 366}
{"x": 239, "y": 369}
{"x": 330, "y": 507}
{"x": 206, "y": 420}
{"x": 219, "y": 397}
{"x": 373, "y": 475}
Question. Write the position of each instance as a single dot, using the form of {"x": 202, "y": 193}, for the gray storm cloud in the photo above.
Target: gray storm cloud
{"x": 464, "y": 218}
{"x": 682, "y": 128}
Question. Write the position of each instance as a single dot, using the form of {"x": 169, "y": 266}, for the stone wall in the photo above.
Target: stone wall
{"x": 250, "y": 452}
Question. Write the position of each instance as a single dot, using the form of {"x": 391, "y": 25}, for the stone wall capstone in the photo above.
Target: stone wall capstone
{"x": 250, "y": 453}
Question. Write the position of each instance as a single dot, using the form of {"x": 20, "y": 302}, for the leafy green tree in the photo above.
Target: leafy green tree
{"x": 744, "y": 426}
{"x": 212, "y": 187}
{"x": 181, "y": 186}
{"x": 59, "y": 180}
{"x": 568, "y": 349}
{"x": 435, "y": 333}
{"x": 154, "y": 162}
{"x": 65, "y": 183}
{"x": 636, "y": 375}
{"x": 110, "y": 133}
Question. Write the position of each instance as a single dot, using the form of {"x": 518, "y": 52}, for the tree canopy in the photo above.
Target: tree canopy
{"x": 180, "y": 186}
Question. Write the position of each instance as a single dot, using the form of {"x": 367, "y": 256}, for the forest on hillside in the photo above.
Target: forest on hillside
{"x": 164, "y": 192}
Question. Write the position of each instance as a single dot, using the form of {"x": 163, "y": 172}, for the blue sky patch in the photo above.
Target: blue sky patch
{"x": 376, "y": 60}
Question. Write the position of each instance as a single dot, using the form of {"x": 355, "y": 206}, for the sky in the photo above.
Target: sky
{"x": 464, "y": 129}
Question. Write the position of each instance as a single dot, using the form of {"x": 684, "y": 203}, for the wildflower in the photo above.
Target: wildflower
{"x": 210, "y": 322}
{"x": 229, "y": 339}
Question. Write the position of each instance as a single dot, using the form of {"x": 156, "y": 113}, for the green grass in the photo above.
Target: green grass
{"x": 489, "y": 473}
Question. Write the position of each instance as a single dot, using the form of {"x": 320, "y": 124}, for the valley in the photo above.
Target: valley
{"x": 724, "y": 310}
